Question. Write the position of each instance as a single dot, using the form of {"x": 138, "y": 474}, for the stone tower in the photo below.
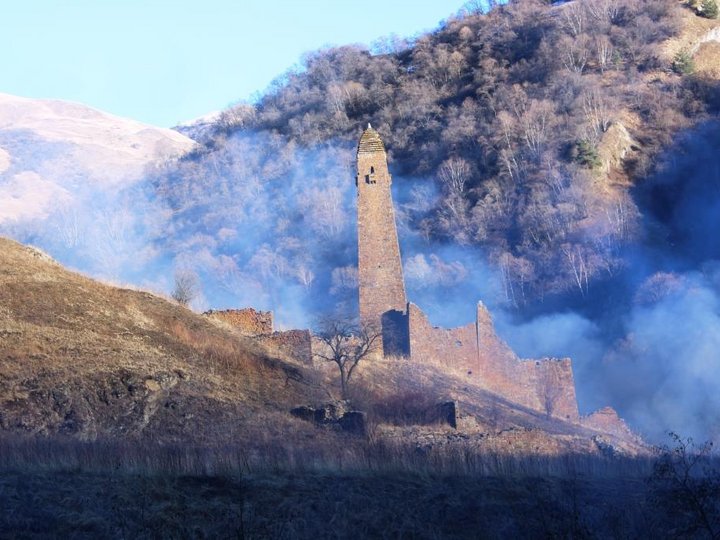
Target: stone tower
{"x": 380, "y": 276}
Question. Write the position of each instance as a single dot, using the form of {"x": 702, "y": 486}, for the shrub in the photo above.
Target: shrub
{"x": 585, "y": 153}
{"x": 683, "y": 63}
{"x": 685, "y": 485}
{"x": 187, "y": 287}
{"x": 709, "y": 9}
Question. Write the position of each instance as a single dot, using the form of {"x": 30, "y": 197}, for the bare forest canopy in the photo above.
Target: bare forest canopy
{"x": 517, "y": 133}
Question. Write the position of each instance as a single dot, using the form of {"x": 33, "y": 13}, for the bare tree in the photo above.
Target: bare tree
{"x": 574, "y": 18}
{"x": 575, "y": 257}
{"x": 454, "y": 173}
{"x": 598, "y": 112}
{"x": 604, "y": 52}
{"x": 478, "y": 7}
{"x": 604, "y": 11}
{"x": 187, "y": 287}
{"x": 574, "y": 53}
{"x": 550, "y": 388}
{"x": 305, "y": 275}
{"x": 686, "y": 484}
{"x": 346, "y": 344}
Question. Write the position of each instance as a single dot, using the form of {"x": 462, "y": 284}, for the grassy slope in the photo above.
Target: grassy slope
{"x": 86, "y": 359}
{"x": 91, "y": 361}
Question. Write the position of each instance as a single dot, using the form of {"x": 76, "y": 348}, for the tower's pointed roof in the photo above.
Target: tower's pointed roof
{"x": 370, "y": 142}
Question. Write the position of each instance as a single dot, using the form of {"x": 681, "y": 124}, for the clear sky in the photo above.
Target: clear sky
{"x": 167, "y": 61}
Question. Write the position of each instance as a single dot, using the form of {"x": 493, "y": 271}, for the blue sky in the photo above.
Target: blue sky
{"x": 166, "y": 61}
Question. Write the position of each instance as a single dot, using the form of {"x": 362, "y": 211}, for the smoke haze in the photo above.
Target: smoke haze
{"x": 266, "y": 224}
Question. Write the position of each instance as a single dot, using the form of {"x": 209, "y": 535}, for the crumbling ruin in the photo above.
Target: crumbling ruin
{"x": 544, "y": 385}
{"x": 259, "y": 324}
{"x": 248, "y": 321}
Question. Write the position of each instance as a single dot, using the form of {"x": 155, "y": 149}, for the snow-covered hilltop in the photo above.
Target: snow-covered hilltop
{"x": 50, "y": 150}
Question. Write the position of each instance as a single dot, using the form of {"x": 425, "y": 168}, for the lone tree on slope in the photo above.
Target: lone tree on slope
{"x": 346, "y": 344}
{"x": 187, "y": 287}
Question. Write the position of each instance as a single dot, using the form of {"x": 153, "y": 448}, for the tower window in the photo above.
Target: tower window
{"x": 372, "y": 170}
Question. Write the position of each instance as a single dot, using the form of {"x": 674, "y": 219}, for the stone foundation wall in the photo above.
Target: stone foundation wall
{"x": 248, "y": 321}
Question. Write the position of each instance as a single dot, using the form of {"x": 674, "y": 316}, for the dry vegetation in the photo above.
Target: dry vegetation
{"x": 321, "y": 506}
{"x": 125, "y": 415}
{"x": 89, "y": 360}
{"x": 523, "y": 130}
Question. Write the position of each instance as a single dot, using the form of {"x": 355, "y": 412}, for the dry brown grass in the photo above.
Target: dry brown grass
{"x": 317, "y": 505}
{"x": 84, "y": 357}
{"x": 707, "y": 60}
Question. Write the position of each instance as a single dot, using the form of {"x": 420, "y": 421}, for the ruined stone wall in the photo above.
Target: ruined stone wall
{"x": 455, "y": 347}
{"x": 607, "y": 420}
{"x": 545, "y": 385}
{"x": 295, "y": 343}
{"x": 551, "y": 387}
{"x": 500, "y": 369}
{"x": 248, "y": 321}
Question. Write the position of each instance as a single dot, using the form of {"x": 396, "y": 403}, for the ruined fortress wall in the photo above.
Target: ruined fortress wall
{"x": 380, "y": 278}
{"x": 498, "y": 363}
{"x": 248, "y": 321}
{"x": 295, "y": 343}
{"x": 606, "y": 420}
{"x": 455, "y": 347}
{"x": 550, "y": 387}
{"x": 545, "y": 385}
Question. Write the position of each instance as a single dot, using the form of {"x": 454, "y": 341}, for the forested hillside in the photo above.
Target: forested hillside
{"x": 517, "y": 133}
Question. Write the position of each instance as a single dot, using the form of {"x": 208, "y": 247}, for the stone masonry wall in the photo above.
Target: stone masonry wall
{"x": 545, "y": 385}
{"x": 551, "y": 381}
{"x": 248, "y": 321}
{"x": 607, "y": 420}
{"x": 295, "y": 343}
{"x": 455, "y": 347}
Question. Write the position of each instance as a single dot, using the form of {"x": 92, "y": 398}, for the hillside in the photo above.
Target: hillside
{"x": 123, "y": 414}
{"x": 53, "y": 151}
{"x": 516, "y": 134}
{"x": 94, "y": 362}
{"x": 91, "y": 361}
{"x": 553, "y": 161}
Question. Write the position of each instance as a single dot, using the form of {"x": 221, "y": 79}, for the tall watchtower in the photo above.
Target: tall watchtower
{"x": 382, "y": 288}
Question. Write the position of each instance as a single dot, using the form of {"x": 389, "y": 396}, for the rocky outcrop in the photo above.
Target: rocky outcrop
{"x": 334, "y": 415}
